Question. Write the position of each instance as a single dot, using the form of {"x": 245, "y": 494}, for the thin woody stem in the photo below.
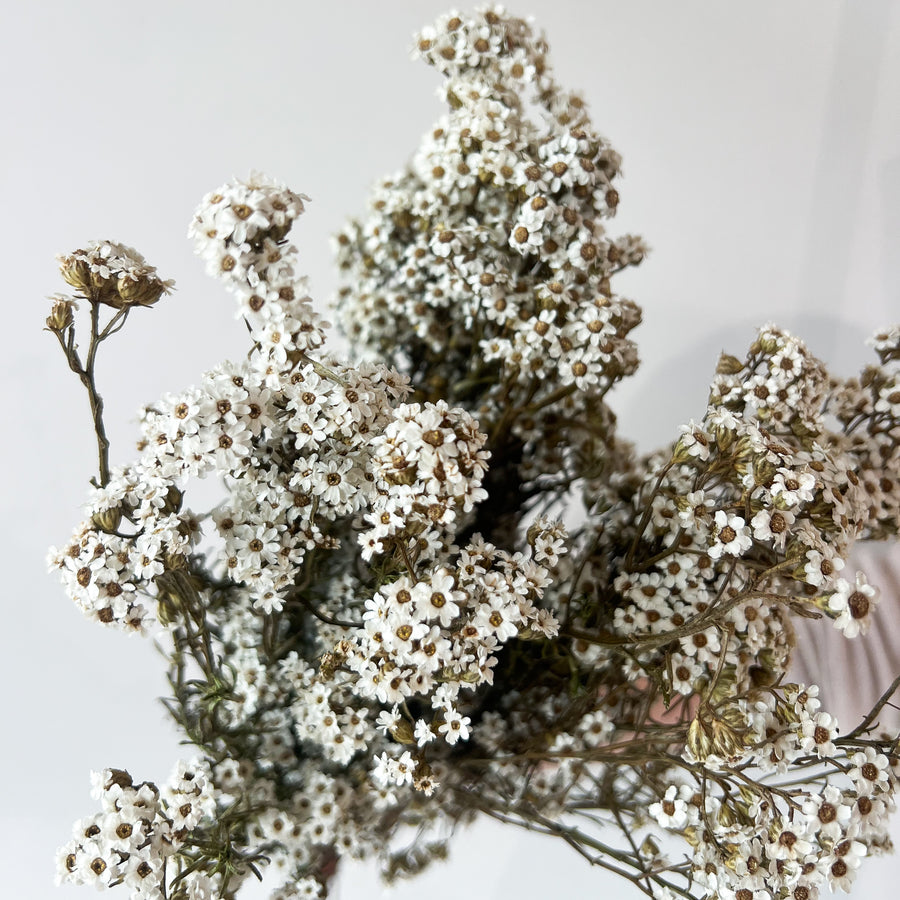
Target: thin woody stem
{"x": 659, "y": 639}
{"x": 96, "y": 401}
{"x": 86, "y": 373}
{"x": 863, "y": 726}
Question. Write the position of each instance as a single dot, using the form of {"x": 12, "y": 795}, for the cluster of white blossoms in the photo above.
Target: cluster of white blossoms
{"x": 436, "y": 634}
{"x": 751, "y": 516}
{"x": 315, "y": 458}
{"x": 117, "y": 275}
{"x": 137, "y": 829}
{"x": 428, "y": 465}
{"x": 381, "y": 627}
{"x": 487, "y": 263}
{"x": 758, "y": 501}
{"x": 239, "y": 231}
{"x": 791, "y": 841}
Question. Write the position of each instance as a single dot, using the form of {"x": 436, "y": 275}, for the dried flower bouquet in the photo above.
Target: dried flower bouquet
{"x": 384, "y": 628}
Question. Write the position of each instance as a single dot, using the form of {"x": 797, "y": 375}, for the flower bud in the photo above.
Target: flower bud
{"x": 528, "y": 634}
{"x": 680, "y": 453}
{"x": 402, "y": 733}
{"x": 169, "y": 602}
{"x": 327, "y": 666}
{"x": 765, "y": 672}
{"x": 166, "y": 610}
{"x": 763, "y": 470}
{"x": 726, "y": 817}
{"x": 108, "y": 519}
{"x": 724, "y": 685}
{"x": 699, "y": 741}
{"x": 724, "y": 438}
{"x": 140, "y": 288}
{"x": 728, "y": 365}
{"x": 75, "y": 272}
{"x": 61, "y": 316}
{"x": 174, "y": 498}
{"x": 175, "y": 561}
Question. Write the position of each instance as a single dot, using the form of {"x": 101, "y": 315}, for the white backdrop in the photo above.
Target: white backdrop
{"x": 762, "y": 161}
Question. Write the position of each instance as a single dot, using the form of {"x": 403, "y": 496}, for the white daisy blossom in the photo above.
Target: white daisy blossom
{"x": 822, "y": 566}
{"x": 870, "y": 773}
{"x": 671, "y": 811}
{"x": 817, "y": 734}
{"x": 388, "y": 720}
{"x": 793, "y": 488}
{"x": 852, "y": 605}
{"x": 772, "y": 525}
{"x": 732, "y": 536}
{"x": 455, "y": 726}
{"x": 424, "y": 733}
{"x": 695, "y": 507}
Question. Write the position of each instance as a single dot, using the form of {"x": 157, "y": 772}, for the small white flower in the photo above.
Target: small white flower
{"x": 671, "y": 811}
{"x": 389, "y": 770}
{"x": 817, "y": 734}
{"x": 852, "y": 605}
{"x": 455, "y": 727}
{"x": 423, "y": 733}
{"x": 822, "y": 566}
{"x": 694, "y": 509}
{"x": 828, "y": 813}
{"x": 696, "y": 441}
{"x": 773, "y": 525}
{"x": 870, "y": 772}
{"x": 732, "y": 536}
{"x": 793, "y": 488}
{"x": 388, "y": 720}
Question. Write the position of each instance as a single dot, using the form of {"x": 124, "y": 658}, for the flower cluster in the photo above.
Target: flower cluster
{"x": 441, "y": 631}
{"x": 113, "y": 274}
{"x": 238, "y": 230}
{"x": 792, "y": 841}
{"x": 137, "y": 829}
{"x": 428, "y": 466}
{"x": 487, "y": 263}
{"x": 381, "y": 628}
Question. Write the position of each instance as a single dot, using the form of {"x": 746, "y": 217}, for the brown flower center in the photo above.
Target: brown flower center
{"x": 827, "y": 813}
{"x": 858, "y": 604}
{"x": 869, "y": 771}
